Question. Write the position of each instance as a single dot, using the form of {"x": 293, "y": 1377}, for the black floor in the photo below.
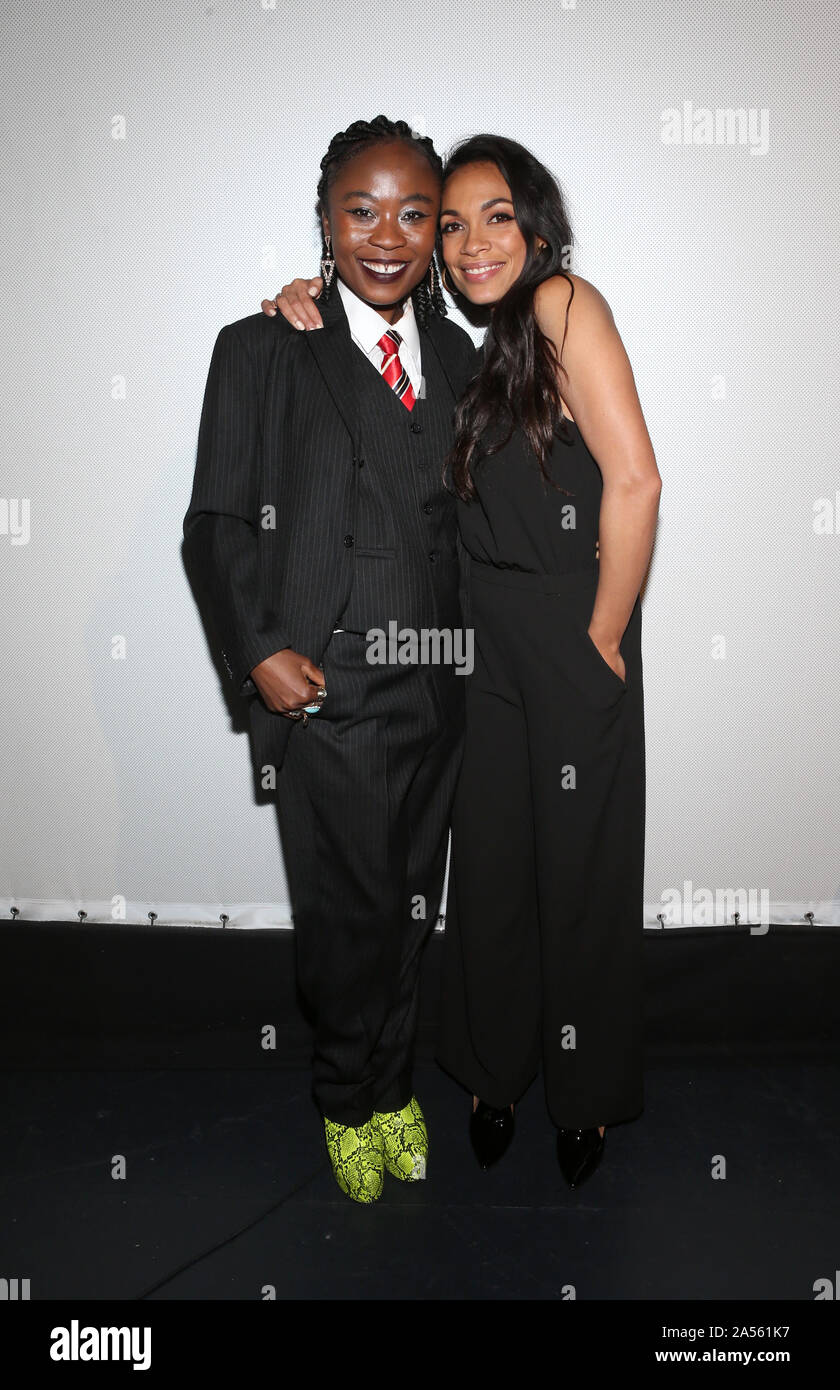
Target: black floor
{"x": 227, "y": 1188}
{"x": 210, "y": 1154}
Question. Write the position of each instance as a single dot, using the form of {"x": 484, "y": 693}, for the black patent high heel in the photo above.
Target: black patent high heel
{"x": 579, "y": 1151}
{"x": 491, "y": 1131}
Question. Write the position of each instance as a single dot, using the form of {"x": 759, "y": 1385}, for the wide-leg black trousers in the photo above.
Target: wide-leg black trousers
{"x": 364, "y": 798}
{"x": 544, "y": 919}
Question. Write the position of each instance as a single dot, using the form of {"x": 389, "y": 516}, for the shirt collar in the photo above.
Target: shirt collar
{"x": 367, "y": 327}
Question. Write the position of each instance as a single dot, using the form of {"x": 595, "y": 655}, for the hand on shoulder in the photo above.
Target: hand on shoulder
{"x": 295, "y": 304}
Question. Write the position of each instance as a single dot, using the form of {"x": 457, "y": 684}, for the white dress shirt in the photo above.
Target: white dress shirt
{"x": 367, "y": 327}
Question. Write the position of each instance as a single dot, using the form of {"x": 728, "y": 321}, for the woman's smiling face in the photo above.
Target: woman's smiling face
{"x": 483, "y": 248}
{"x": 382, "y": 216}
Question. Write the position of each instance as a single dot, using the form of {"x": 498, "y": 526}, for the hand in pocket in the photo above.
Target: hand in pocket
{"x": 614, "y": 660}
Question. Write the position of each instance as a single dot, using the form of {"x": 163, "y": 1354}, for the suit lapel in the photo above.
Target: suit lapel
{"x": 435, "y": 336}
{"x": 333, "y": 350}
{"x": 337, "y": 359}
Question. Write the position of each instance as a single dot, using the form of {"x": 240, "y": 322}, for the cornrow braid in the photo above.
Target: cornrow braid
{"x": 345, "y": 146}
{"x": 428, "y": 302}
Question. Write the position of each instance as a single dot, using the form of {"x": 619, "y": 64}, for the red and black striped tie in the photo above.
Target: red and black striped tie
{"x": 392, "y": 368}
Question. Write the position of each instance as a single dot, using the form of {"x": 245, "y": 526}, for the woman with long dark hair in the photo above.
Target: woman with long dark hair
{"x": 558, "y": 493}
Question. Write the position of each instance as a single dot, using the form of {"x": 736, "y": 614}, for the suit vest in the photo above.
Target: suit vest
{"x": 405, "y": 564}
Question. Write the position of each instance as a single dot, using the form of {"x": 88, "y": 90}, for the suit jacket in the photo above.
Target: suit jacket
{"x": 273, "y": 496}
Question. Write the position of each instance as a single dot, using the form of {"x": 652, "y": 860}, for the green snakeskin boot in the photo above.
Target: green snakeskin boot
{"x": 406, "y": 1141}
{"x": 356, "y": 1156}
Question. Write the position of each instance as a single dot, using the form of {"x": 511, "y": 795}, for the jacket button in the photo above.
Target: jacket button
{"x": 348, "y": 541}
{"x": 433, "y": 554}
{"x": 427, "y": 507}
{"x": 416, "y": 427}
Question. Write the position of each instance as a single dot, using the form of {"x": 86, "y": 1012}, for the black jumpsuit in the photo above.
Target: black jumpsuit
{"x": 544, "y": 917}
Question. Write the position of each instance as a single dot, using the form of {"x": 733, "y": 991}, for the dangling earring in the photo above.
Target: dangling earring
{"x": 443, "y": 281}
{"x": 327, "y": 264}
{"x": 432, "y": 279}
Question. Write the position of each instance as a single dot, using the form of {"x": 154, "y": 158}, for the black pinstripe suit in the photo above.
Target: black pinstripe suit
{"x": 290, "y": 420}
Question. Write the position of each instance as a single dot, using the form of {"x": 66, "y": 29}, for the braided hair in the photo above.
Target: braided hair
{"x": 345, "y": 146}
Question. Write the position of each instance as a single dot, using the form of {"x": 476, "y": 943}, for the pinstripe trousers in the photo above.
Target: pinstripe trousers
{"x": 364, "y": 796}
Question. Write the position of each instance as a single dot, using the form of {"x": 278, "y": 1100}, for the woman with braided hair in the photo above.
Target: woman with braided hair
{"x": 558, "y": 494}
{"x": 319, "y": 515}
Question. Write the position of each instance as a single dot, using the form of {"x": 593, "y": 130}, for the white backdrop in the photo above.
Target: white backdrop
{"x": 123, "y": 778}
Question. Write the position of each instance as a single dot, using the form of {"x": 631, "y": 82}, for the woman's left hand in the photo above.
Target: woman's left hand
{"x": 612, "y": 656}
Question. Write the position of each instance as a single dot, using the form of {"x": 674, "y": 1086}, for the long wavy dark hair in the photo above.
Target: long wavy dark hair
{"x": 517, "y": 385}
{"x": 427, "y": 297}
